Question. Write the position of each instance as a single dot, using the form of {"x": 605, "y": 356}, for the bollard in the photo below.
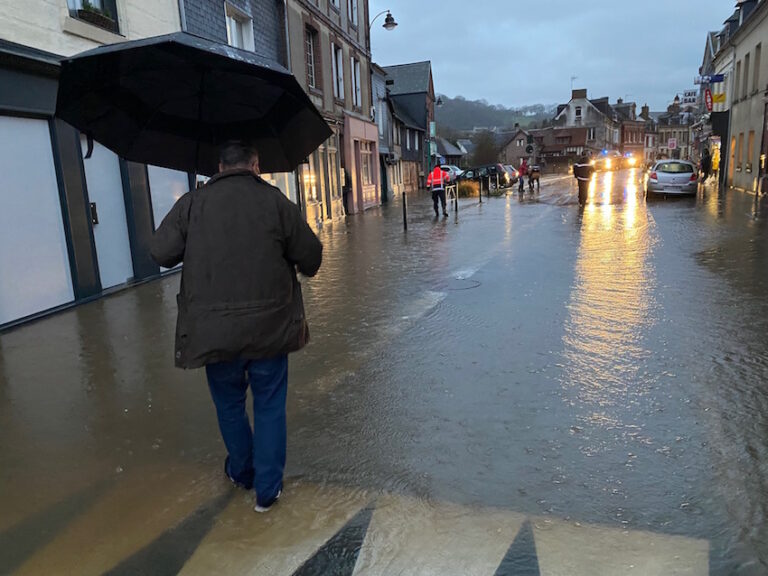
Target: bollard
{"x": 456, "y": 199}
{"x": 480, "y": 189}
{"x": 497, "y": 181}
{"x": 405, "y": 212}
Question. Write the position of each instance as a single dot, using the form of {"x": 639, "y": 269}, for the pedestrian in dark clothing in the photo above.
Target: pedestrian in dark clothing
{"x": 240, "y": 307}
{"x": 436, "y": 181}
{"x": 345, "y": 192}
{"x": 706, "y": 165}
{"x": 583, "y": 171}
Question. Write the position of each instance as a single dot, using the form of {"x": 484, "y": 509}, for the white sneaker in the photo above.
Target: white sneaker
{"x": 261, "y": 509}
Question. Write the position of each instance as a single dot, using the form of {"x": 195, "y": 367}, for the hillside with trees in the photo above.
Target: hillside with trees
{"x": 460, "y": 115}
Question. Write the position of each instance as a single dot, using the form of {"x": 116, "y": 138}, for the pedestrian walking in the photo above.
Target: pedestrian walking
{"x": 523, "y": 172}
{"x": 437, "y": 180}
{"x": 240, "y": 307}
{"x": 706, "y": 165}
{"x": 345, "y": 189}
{"x": 583, "y": 171}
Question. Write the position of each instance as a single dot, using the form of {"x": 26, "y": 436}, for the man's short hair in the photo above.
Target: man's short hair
{"x": 237, "y": 153}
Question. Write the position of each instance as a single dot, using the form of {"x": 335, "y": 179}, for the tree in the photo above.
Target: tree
{"x": 485, "y": 148}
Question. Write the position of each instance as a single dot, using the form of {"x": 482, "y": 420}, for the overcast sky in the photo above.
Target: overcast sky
{"x": 518, "y": 52}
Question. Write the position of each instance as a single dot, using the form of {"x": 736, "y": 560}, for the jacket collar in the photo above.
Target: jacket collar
{"x": 233, "y": 172}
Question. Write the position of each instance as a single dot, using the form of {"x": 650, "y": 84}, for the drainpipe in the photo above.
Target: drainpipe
{"x": 182, "y": 16}
{"x": 287, "y": 37}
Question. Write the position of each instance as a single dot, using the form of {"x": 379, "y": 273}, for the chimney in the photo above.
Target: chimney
{"x": 646, "y": 111}
{"x": 517, "y": 125}
{"x": 620, "y": 101}
{"x": 580, "y": 93}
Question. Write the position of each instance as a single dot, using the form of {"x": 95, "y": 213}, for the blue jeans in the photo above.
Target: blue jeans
{"x": 258, "y": 456}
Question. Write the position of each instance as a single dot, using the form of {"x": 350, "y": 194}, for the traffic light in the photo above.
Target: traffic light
{"x": 530, "y": 138}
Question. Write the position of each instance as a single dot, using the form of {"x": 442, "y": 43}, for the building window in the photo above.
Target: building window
{"x": 745, "y": 87}
{"x": 101, "y": 13}
{"x": 519, "y": 142}
{"x": 239, "y": 29}
{"x": 740, "y": 152}
{"x": 750, "y": 149}
{"x": 590, "y": 133}
{"x": 356, "y": 87}
{"x": 366, "y": 162}
{"x": 334, "y": 4}
{"x": 408, "y": 139}
{"x": 380, "y": 118}
{"x": 333, "y": 172}
{"x": 578, "y": 113}
{"x": 756, "y": 73}
{"x": 416, "y": 141}
{"x": 337, "y": 57}
{"x": 736, "y": 85}
{"x": 353, "y": 12}
{"x": 311, "y": 53}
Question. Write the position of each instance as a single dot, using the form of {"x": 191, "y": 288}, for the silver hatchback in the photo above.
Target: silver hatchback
{"x": 672, "y": 177}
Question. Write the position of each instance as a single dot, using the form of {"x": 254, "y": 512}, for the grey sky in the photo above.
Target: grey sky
{"x": 517, "y": 52}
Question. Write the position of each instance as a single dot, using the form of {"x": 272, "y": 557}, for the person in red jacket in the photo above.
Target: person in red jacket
{"x": 523, "y": 172}
{"x": 436, "y": 181}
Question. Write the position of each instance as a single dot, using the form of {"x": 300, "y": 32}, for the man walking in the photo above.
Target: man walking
{"x": 437, "y": 180}
{"x": 706, "y": 165}
{"x": 583, "y": 171}
{"x": 240, "y": 307}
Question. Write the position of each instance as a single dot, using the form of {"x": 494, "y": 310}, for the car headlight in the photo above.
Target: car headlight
{"x": 607, "y": 162}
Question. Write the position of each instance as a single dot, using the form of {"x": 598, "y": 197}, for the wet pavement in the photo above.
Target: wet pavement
{"x": 525, "y": 387}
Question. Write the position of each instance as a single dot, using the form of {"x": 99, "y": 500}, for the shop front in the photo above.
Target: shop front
{"x": 361, "y": 153}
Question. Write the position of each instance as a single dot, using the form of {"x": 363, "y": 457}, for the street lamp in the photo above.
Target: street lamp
{"x": 389, "y": 21}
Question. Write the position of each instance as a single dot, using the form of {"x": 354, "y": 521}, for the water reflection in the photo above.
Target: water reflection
{"x": 611, "y": 304}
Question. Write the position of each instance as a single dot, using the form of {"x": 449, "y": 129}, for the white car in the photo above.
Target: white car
{"x": 453, "y": 171}
{"x": 673, "y": 178}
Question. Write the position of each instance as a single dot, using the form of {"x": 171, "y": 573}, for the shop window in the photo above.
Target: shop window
{"x": 366, "y": 162}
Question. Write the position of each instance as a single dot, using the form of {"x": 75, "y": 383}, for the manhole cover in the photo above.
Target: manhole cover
{"x": 462, "y": 284}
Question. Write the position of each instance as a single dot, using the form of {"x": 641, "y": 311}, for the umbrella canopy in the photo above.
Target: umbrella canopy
{"x": 172, "y": 100}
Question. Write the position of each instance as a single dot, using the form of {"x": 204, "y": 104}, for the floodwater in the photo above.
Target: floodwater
{"x": 525, "y": 387}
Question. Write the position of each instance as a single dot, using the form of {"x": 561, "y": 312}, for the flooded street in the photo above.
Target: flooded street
{"x": 525, "y": 387}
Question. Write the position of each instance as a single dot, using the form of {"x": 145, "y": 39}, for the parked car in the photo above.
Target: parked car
{"x": 608, "y": 161}
{"x": 672, "y": 177}
{"x": 488, "y": 172}
{"x": 514, "y": 175}
{"x": 453, "y": 170}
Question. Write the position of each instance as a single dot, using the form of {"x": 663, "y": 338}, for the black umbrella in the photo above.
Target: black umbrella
{"x": 172, "y": 100}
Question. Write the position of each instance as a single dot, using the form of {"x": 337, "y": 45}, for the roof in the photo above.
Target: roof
{"x": 402, "y": 114}
{"x": 445, "y": 148}
{"x": 603, "y": 106}
{"x": 409, "y": 78}
{"x": 467, "y": 144}
{"x": 509, "y": 137}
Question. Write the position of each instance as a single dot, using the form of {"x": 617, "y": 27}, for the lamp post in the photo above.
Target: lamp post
{"x": 389, "y": 21}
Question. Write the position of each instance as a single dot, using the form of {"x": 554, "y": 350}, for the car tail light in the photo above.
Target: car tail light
{"x": 654, "y": 176}
{"x": 693, "y": 178}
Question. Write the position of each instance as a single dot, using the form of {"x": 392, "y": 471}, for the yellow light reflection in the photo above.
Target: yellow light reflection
{"x": 592, "y": 190}
{"x": 630, "y": 204}
{"x": 609, "y": 313}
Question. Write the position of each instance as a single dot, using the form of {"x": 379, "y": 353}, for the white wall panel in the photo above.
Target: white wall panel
{"x": 34, "y": 264}
{"x": 105, "y": 188}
